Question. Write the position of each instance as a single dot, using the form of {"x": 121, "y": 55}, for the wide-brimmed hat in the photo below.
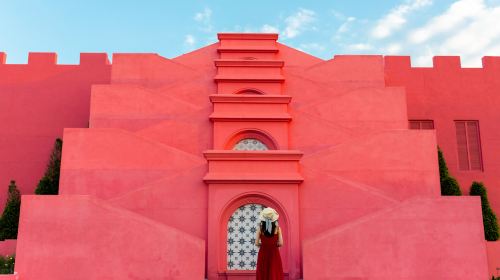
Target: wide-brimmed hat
{"x": 269, "y": 213}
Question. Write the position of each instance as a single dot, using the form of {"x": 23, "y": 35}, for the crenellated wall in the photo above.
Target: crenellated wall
{"x": 366, "y": 185}
{"x": 38, "y": 100}
{"x": 447, "y": 92}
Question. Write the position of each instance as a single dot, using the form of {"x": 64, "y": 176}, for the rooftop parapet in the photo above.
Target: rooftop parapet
{"x": 440, "y": 63}
{"x": 491, "y": 62}
{"x": 247, "y": 36}
{"x": 42, "y": 58}
{"x": 50, "y": 58}
{"x": 247, "y": 45}
{"x": 446, "y": 62}
{"x": 94, "y": 59}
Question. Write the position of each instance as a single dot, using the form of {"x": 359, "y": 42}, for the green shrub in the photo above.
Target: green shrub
{"x": 7, "y": 264}
{"x": 489, "y": 218}
{"x": 49, "y": 184}
{"x": 9, "y": 221}
{"x": 449, "y": 185}
{"x": 443, "y": 168}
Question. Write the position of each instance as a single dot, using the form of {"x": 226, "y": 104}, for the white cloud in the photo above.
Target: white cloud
{"x": 467, "y": 28}
{"x": 393, "y": 48}
{"x": 298, "y": 22}
{"x": 359, "y": 47}
{"x": 205, "y": 19}
{"x": 266, "y": 28}
{"x": 396, "y": 18}
{"x": 189, "y": 40}
{"x": 203, "y": 16}
{"x": 458, "y": 13}
{"x": 313, "y": 47}
{"x": 346, "y": 25}
{"x": 338, "y": 15}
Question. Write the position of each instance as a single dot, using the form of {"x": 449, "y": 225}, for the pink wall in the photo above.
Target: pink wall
{"x": 417, "y": 239}
{"x": 157, "y": 155}
{"x": 37, "y": 101}
{"x": 493, "y": 249}
{"x": 99, "y": 241}
{"x": 8, "y": 247}
{"x": 447, "y": 92}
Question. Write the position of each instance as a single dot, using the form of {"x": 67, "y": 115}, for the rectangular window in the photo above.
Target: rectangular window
{"x": 421, "y": 124}
{"x": 468, "y": 145}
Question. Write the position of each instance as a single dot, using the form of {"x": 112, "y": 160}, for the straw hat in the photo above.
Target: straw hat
{"x": 269, "y": 213}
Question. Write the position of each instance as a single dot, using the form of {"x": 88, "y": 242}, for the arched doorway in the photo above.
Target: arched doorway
{"x": 241, "y": 229}
{"x": 245, "y": 208}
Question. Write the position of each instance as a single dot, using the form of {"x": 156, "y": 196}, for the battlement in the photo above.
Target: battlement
{"x": 39, "y": 58}
{"x": 50, "y": 59}
{"x": 394, "y": 63}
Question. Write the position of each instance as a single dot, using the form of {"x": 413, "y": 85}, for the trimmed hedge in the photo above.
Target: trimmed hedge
{"x": 7, "y": 264}
{"x": 9, "y": 221}
{"x": 489, "y": 218}
{"x": 449, "y": 185}
{"x": 49, "y": 184}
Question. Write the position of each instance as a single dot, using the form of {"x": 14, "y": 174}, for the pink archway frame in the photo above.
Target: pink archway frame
{"x": 249, "y": 91}
{"x": 253, "y": 198}
{"x": 252, "y": 133}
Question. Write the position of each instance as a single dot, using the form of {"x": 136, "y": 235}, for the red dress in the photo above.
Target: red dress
{"x": 269, "y": 265}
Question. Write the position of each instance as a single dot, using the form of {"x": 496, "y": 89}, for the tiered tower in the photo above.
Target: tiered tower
{"x": 251, "y": 160}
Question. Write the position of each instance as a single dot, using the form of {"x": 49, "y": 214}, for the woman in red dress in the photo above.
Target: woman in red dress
{"x": 269, "y": 238}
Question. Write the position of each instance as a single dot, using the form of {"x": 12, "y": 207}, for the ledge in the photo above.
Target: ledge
{"x": 242, "y": 274}
{"x": 247, "y": 50}
{"x": 249, "y": 178}
{"x": 271, "y": 155}
{"x": 248, "y": 63}
{"x": 248, "y": 79}
{"x": 247, "y": 36}
{"x": 228, "y": 117}
{"x": 244, "y": 98}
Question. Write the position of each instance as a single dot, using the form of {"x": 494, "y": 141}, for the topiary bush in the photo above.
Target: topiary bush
{"x": 449, "y": 185}
{"x": 9, "y": 221}
{"x": 7, "y": 264}
{"x": 49, "y": 184}
{"x": 489, "y": 218}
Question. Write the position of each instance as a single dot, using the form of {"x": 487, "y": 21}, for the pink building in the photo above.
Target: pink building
{"x": 167, "y": 162}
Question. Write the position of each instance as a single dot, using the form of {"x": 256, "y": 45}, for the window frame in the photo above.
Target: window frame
{"x": 468, "y": 146}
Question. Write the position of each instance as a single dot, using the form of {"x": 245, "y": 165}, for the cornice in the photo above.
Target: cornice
{"x": 231, "y": 117}
{"x": 249, "y": 178}
{"x": 247, "y": 98}
{"x": 271, "y": 155}
{"x": 248, "y": 63}
{"x": 250, "y": 79}
{"x": 247, "y": 36}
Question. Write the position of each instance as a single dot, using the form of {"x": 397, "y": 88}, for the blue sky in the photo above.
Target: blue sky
{"x": 420, "y": 28}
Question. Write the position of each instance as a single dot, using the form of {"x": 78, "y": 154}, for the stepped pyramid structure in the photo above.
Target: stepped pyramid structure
{"x": 181, "y": 154}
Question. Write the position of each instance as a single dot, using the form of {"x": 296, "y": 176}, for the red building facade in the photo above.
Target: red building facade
{"x": 164, "y": 158}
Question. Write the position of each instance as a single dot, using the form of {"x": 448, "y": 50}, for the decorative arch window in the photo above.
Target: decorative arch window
{"x": 251, "y": 91}
{"x": 250, "y": 144}
{"x": 241, "y": 229}
{"x": 251, "y": 140}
